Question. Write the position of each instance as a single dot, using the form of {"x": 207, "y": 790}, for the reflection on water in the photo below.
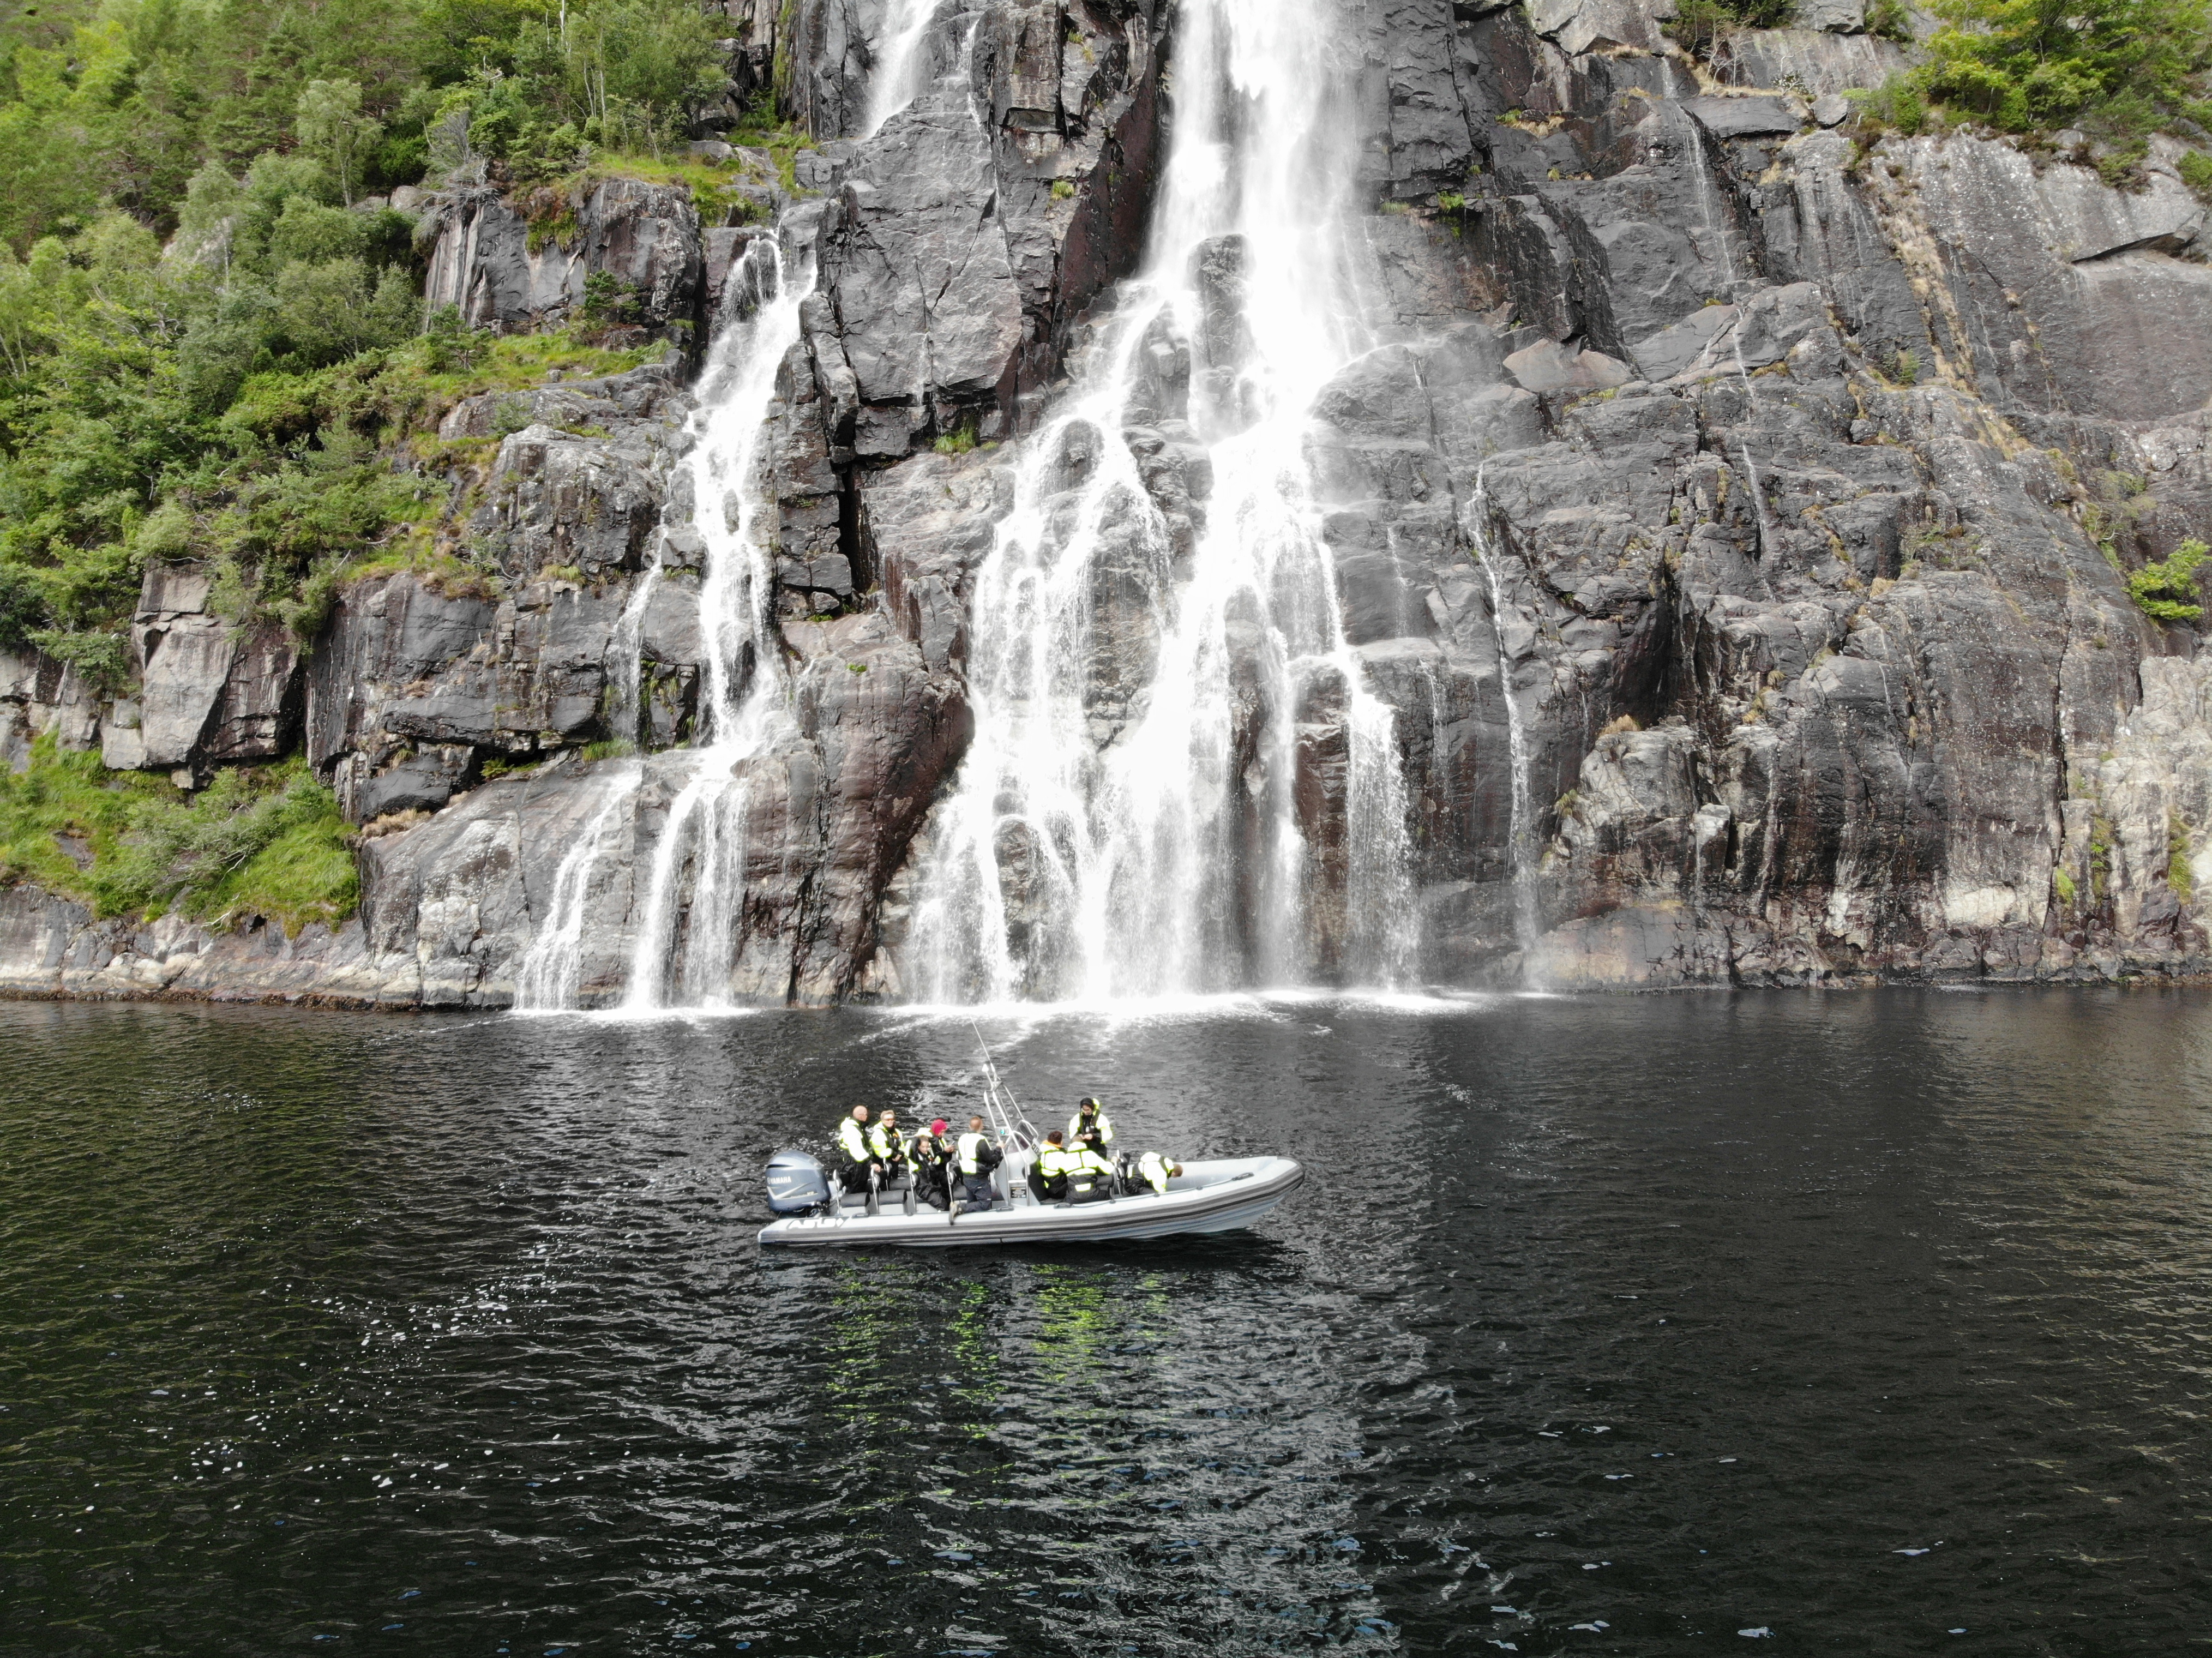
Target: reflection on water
{"x": 1603, "y": 1326}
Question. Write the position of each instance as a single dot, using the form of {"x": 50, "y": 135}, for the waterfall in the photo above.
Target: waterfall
{"x": 1759, "y": 524}
{"x": 687, "y": 948}
{"x": 552, "y": 970}
{"x": 1522, "y": 823}
{"x": 1708, "y": 204}
{"x": 1180, "y": 780}
{"x": 686, "y": 931}
{"x": 896, "y": 75}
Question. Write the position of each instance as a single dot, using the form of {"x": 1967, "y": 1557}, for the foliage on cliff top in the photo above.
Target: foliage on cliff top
{"x": 263, "y": 843}
{"x": 121, "y": 102}
{"x": 2116, "y": 69}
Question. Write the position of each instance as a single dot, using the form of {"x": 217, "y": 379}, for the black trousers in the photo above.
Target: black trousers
{"x": 854, "y": 1176}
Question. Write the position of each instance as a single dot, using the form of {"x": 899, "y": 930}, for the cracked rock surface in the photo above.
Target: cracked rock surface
{"x": 1780, "y": 484}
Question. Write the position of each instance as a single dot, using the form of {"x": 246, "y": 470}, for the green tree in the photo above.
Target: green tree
{"x": 2128, "y": 65}
{"x": 331, "y": 123}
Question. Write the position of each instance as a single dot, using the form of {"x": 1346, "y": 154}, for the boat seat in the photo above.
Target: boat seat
{"x": 890, "y": 1198}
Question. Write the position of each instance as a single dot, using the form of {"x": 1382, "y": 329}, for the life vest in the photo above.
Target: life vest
{"x": 884, "y": 1143}
{"x": 972, "y": 1146}
{"x": 1154, "y": 1168}
{"x": 1056, "y": 1160}
{"x": 852, "y": 1142}
{"x": 1100, "y": 1125}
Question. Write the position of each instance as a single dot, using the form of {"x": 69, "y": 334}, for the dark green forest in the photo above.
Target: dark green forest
{"x": 231, "y": 398}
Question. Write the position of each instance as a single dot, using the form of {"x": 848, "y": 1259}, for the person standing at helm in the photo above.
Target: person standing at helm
{"x": 975, "y": 1157}
{"x": 853, "y": 1143}
{"x": 1155, "y": 1170}
{"x": 1091, "y": 1127}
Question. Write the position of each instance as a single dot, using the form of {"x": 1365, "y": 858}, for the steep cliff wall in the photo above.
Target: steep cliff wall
{"x": 1765, "y": 489}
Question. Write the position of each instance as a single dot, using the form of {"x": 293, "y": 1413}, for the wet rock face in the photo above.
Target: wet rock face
{"x": 1761, "y": 491}
{"x": 972, "y": 231}
{"x": 420, "y": 680}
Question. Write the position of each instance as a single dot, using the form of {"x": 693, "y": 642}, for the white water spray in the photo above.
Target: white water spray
{"x": 1180, "y": 780}
{"x": 552, "y": 970}
{"x": 685, "y": 939}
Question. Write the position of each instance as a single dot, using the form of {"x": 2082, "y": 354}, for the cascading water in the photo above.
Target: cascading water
{"x": 899, "y": 65}
{"x": 1716, "y": 226}
{"x": 1180, "y": 780}
{"x": 683, "y": 951}
{"x": 1520, "y": 824}
{"x": 551, "y": 974}
{"x": 1708, "y": 204}
{"x": 685, "y": 935}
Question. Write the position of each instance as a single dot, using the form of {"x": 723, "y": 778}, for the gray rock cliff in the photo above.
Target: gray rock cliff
{"x": 1778, "y": 484}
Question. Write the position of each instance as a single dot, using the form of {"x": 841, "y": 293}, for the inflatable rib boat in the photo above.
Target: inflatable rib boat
{"x": 1206, "y": 1197}
{"x": 1219, "y": 1196}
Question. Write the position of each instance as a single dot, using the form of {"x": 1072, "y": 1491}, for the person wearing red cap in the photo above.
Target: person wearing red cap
{"x": 932, "y": 1152}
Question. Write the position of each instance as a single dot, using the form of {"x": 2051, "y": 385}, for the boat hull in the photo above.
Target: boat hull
{"x": 1220, "y": 1197}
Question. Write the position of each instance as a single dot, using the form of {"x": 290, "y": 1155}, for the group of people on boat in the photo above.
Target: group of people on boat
{"x": 955, "y": 1171}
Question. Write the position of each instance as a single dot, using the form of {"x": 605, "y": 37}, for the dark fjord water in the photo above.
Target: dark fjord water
{"x": 1636, "y": 1326}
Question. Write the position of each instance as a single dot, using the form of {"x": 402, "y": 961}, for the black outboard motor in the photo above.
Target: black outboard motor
{"x": 796, "y": 1183}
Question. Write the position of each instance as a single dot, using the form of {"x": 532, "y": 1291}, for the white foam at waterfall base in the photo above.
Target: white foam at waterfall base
{"x": 1159, "y": 850}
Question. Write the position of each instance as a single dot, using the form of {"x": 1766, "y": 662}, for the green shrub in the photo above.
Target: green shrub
{"x": 269, "y": 843}
{"x": 2118, "y": 70}
{"x": 1701, "y": 24}
{"x": 608, "y": 301}
{"x": 2167, "y": 591}
{"x": 263, "y": 842}
{"x": 101, "y": 658}
{"x": 2197, "y": 172}
{"x": 1890, "y": 20}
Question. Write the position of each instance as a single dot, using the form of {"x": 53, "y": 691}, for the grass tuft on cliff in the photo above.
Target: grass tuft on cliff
{"x": 264, "y": 842}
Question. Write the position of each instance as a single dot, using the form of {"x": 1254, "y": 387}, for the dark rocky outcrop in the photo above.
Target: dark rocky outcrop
{"x": 488, "y": 260}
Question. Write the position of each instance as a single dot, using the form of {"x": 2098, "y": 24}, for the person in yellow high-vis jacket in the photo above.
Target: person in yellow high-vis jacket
{"x": 852, "y": 1145}
{"x": 1055, "y": 1162}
